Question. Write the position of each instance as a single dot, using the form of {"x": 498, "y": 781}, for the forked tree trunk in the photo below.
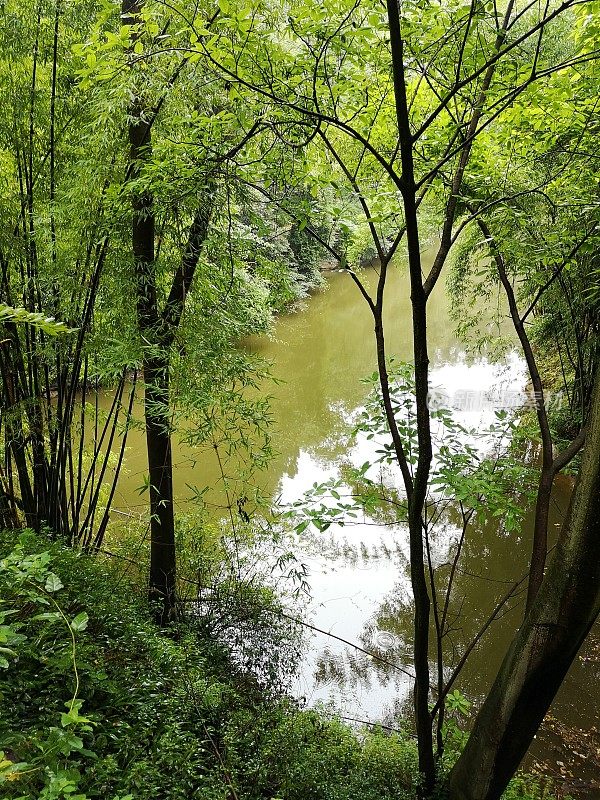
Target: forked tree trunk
{"x": 158, "y": 326}
{"x": 162, "y": 579}
{"x": 565, "y": 608}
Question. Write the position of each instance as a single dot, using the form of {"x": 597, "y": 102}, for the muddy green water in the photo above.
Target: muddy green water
{"x": 358, "y": 574}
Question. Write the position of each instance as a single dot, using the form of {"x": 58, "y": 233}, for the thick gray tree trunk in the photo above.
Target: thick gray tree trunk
{"x": 565, "y": 608}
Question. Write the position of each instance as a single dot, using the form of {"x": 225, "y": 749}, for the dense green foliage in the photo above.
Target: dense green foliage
{"x": 66, "y": 186}
{"x": 172, "y": 176}
{"x": 103, "y": 705}
{"x": 97, "y": 703}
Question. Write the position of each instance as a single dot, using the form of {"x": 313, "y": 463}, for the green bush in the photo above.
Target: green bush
{"x": 97, "y": 703}
{"x": 101, "y": 704}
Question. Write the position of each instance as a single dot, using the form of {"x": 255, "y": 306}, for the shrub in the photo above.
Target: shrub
{"x": 96, "y": 702}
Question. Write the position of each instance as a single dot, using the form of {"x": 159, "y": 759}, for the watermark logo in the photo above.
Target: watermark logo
{"x": 485, "y": 399}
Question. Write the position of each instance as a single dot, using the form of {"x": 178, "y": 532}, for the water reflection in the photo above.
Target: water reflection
{"x": 359, "y": 572}
{"x": 372, "y": 560}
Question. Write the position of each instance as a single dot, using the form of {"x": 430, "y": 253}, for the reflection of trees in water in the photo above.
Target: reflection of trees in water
{"x": 345, "y": 669}
{"x": 352, "y": 672}
{"x": 492, "y": 561}
{"x": 399, "y": 711}
{"x": 333, "y": 547}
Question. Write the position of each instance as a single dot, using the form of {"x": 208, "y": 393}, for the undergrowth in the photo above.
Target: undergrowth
{"x": 97, "y": 703}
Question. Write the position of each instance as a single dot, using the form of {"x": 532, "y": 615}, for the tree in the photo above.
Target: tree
{"x": 9, "y": 515}
{"x": 157, "y": 328}
{"x": 386, "y": 114}
{"x": 166, "y": 261}
{"x": 90, "y": 222}
{"x": 549, "y": 224}
{"x": 398, "y": 105}
{"x": 565, "y": 608}
{"x": 56, "y": 470}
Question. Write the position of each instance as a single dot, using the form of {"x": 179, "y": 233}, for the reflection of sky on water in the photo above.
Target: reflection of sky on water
{"x": 319, "y": 357}
{"x": 354, "y": 568}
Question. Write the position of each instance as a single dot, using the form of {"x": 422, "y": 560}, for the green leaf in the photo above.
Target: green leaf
{"x": 49, "y": 616}
{"x": 53, "y": 583}
{"x": 47, "y": 324}
{"x": 79, "y": 623}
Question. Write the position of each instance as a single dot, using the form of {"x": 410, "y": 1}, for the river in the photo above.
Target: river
{"x": 360, "y": 590}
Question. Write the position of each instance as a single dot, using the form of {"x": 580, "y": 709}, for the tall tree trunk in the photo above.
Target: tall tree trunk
{"x": 158, "y": 327}
{"x": 162, "y": 579}
{"x": 155, "y": 365}
{"x": 565, "y": 608}
{"x": 417, "y": 493}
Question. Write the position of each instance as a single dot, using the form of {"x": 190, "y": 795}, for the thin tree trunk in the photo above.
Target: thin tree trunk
{"x": 565, "y": 608}
{"x": 551, "y": 465}
{"x": 163, "y": 567}
{"x": 418, "y": 494}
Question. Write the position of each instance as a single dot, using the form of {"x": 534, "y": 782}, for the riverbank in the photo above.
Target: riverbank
{"x": 103, "y": 705}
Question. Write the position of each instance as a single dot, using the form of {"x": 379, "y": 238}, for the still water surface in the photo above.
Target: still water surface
{"x": 360, "y": 590}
